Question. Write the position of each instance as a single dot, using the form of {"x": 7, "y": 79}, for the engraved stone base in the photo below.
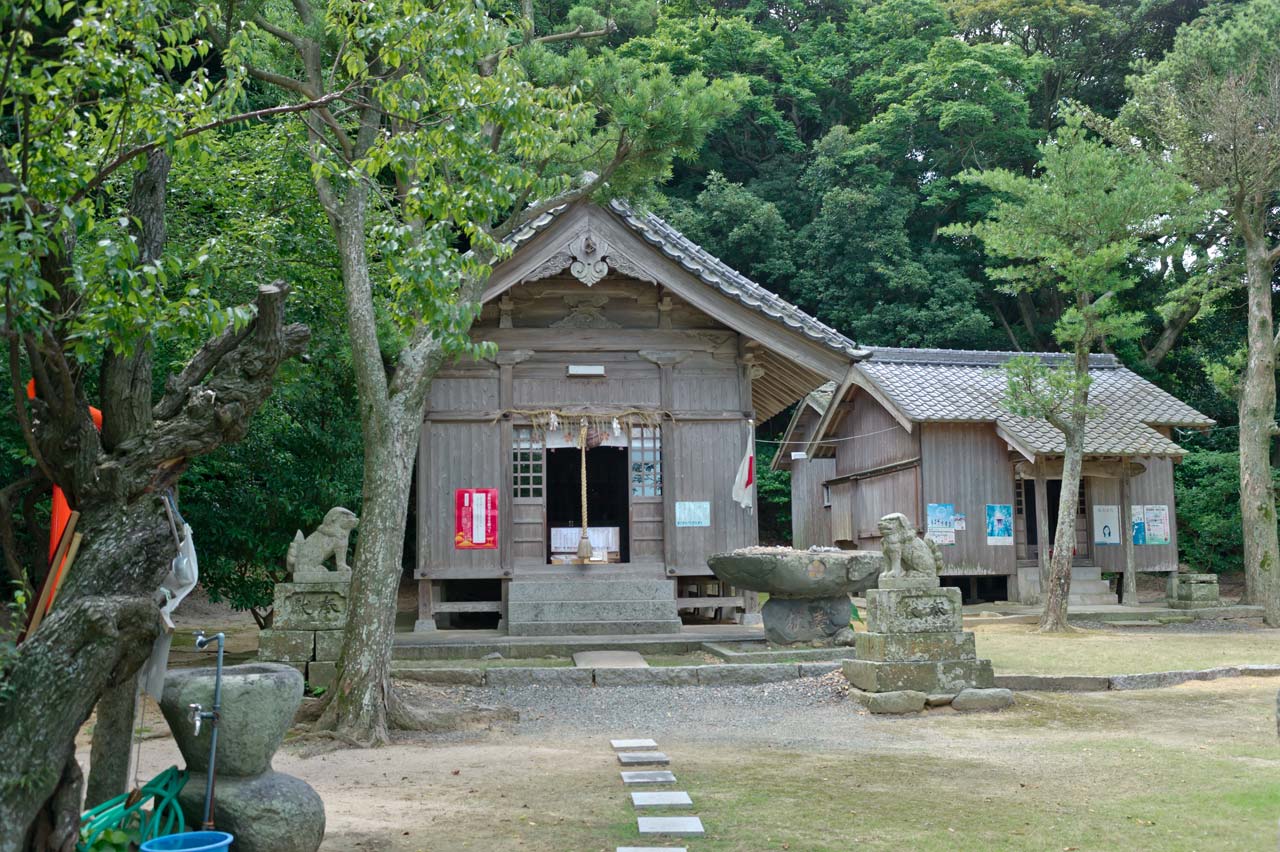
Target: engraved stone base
{"x": 914, "y": 647}
{"x": 311, "y": 606}
{"x": 917, "y": 610}
{"x": 286, "y": 646}
{"x": 927, "y": 676}
{"x": 908, "y": 582}
{"x": 806, "y": 620}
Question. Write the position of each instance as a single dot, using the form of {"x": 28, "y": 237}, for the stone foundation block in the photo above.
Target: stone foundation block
{"x": 516, "y": 676}
{"x": 747, "y": 674}
{"x": 900, "y": 701}
{"x": 286, "y": 646}
{"x": 272, "y": 812}
{"x": 657, "y": 676}
{"x": 1180, "y": 604}
{"x": 321, "y": 674}
{"x": 1197, "y": 591}
{"x": 1198, "y": 578}
{"x": 983, "y": 699}
{"x": 328, "y": 644}
{"x": 927, "y": 677}
{"x": 913, "y": 610}
{"x": 914, "y": 647}
{"x": 311, "y": 606}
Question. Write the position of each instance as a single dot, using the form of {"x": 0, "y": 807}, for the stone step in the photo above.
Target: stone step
{"x": 643, "y": 758}
{"x": 1092, "y": 600}
{"x": 592, "y": 628}
{"x": 1085, "y": 572}
{"x": 648, "y": 776}
{"x": 676, "y": 800}
{"x": 605, "y": 610}
{"x": 1090, "y": 587}
{"x": 629, "y": 745}
{"x": 590, "y": 590}
{"x": 670, "y": 826}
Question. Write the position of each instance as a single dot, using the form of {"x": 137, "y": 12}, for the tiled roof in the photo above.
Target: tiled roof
{"x": 939, "y": 385}
{"x": 820, "y": 399}
{"x": 710, "y": 270}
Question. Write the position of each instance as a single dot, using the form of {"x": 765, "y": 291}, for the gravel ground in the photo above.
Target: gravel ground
{"x": 798, "y": 714}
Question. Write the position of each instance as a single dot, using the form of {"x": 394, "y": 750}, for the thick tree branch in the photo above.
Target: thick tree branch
{"x": 255, "y": 115}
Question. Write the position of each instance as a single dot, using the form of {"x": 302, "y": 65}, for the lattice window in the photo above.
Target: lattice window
{"x": 646, "y": 462}
{"x": 1018, "y": 494}
{"x": 1082, "y": 508}
{"x": 526, "y": 463}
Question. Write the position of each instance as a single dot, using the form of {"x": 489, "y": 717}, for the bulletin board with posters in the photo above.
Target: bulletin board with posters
{"x": 475, "y": 519}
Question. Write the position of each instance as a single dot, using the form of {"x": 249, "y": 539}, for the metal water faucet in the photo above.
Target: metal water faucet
{"x": 197, "y": 716}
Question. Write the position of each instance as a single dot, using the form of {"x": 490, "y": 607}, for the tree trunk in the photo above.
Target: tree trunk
{"x": 110, "y": 755}
{"x": 1054, "y": 618}
{"x": 363, "y": 709}
{"x": 1129, "y": 591}
{"x": 1257, "y": 408}
{"x": 1042, "y": 530}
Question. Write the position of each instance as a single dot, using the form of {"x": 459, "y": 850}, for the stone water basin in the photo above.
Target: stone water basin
{"x": 788, "y": 573}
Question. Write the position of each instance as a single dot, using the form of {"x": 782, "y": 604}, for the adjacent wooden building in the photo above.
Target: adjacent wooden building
{"x": 923, "y": 432}
{"x": 615, "y": 332}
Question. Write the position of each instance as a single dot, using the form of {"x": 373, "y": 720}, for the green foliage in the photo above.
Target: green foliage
{"x": 1207, "y": 488}
{"x": 13, "y": 617}
{"x": 773, "y": 493}
{"x": 94, "y": 85}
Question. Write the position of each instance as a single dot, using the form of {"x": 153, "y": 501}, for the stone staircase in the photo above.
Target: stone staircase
{"x": 1088, "y": 588}
{"x": 566, "y": 604}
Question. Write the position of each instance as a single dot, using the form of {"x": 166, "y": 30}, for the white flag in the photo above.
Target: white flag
{"x": 744, "y": 482}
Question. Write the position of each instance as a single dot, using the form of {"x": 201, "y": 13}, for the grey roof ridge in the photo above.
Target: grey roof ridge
{"x": 715, "y": 272}
{"x": 976, "y": 357}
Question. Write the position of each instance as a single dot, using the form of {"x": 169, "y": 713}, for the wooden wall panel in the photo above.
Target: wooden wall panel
{"x": 479, "y": 393}
{"x": 878, "y": 496}
{"x": 810, "y": 520}
{"x": 1153, "y": 487}
{"x": 705, "y": 459}
{"x": 462, "y": 455}
{"x": 528, "y": 532}
{"x": 842, "y": 511}
{"x": 646, "y": 530}
{"x": 967, "y": 465}
{"x": 871, "y": 438}
{"x": 629, "y": 381}
{"x": 703, "y": 383}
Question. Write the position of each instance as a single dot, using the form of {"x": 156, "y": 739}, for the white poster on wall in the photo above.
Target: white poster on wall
{"x": 1156, "y": 519}
{"x": 1106, "y": 524}
{"x": 693, "y": 513}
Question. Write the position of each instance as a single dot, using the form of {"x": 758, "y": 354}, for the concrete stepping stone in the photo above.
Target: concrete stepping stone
{"x": 653, "y": 849}
{"x": 671, "y": 826}
{"x": 633, "y": 745}
{"x": 661, "y": 800}
{"x": 649, "y": 776}
{"x": 609, "y": 660}
{"x": 643, "y": 758}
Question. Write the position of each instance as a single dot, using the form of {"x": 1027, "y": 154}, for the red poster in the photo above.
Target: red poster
{"x": 475, "y": 519}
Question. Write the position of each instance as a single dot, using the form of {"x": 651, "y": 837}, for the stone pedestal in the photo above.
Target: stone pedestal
{"x": 914, "y": 642}
{"x": 267, "y": 811}
{"x": 787, "y": 621}
{"x": 306, "y": 632}
{"x": 1195, "y": 591}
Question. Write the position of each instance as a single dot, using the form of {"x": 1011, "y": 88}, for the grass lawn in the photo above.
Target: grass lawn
{"x": 1018, "y": 649}
{"x": 1191, "y": 768}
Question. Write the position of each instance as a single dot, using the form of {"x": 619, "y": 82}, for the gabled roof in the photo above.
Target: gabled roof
{"x": 707, "y": 267}
{"x": 815, "y": 405}
{"x": 957, "y": 386}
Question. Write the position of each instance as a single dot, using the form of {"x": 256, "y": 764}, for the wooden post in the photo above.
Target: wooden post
{"x": 1130, "y": 591}
{"x": 426, "y": 616}
{"x": 1043, "y": 533}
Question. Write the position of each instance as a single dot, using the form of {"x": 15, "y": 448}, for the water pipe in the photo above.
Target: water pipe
{"x": 199, "y": 715}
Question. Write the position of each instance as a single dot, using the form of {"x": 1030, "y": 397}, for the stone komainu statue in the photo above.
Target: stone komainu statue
{"x": 907, "y": 555}
{"x": 308, "y": 555}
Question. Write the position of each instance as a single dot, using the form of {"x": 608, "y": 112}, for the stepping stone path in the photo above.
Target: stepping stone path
{"x": 648, "y": 777}
{"x": 655, "y": 826}
{"x": 643, "y": 758}
{"x": 662, "y": 799}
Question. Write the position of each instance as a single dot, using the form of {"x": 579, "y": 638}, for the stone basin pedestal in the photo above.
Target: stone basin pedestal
{"x": 809, "y": 590}
{"x": 267, "y": 811}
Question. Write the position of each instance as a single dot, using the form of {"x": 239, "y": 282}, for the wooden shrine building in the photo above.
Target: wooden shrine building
{"x": 923, "y": 432}
{"x": 630, "y": 368}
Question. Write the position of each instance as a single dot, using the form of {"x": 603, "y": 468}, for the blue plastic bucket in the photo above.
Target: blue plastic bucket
{"x": 190, "y": 841}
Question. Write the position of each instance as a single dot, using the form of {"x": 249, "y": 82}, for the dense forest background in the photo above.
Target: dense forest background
{"x": 830, "y": 184}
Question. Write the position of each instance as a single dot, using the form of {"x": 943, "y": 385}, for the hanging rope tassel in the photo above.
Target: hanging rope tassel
{"x": 584, "y": 543}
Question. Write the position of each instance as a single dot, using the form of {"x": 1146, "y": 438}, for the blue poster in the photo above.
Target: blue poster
{"x": 942, "y": 523}
{"x": 999, "y": 524}
{"x": 1139, "y": 522}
